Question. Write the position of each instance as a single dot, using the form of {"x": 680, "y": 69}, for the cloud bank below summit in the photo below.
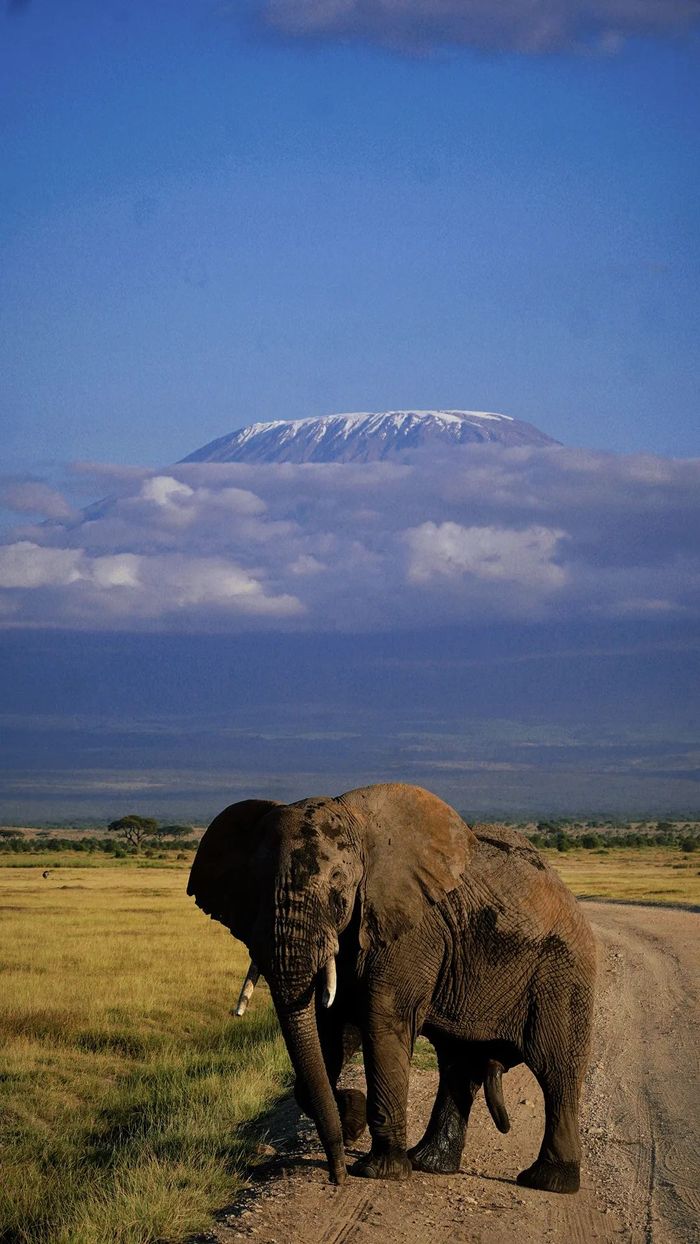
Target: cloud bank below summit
{"x": 537, "y": 27}
{"x": 488, "y": 533}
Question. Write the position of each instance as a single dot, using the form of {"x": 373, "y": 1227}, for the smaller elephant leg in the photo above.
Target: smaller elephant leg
{"x": 558, "y": 1164}
{"x": 338, "y": 1043}
{"x": 352, "y": 1103}
{"x": 352, "y": 1107}
{"x": 440, "y": 1149}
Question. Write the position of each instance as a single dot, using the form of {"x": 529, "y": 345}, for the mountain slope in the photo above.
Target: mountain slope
{"x": 366, "y": 437}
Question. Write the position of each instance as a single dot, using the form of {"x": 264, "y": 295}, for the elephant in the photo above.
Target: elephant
{"x": 380, "y": 914}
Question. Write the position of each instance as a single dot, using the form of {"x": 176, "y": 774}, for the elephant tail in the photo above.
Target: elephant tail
{"x": 493, "y": 1092}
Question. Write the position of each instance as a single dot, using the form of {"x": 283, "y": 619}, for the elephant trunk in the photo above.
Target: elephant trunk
{"x": 301, "y": 1037}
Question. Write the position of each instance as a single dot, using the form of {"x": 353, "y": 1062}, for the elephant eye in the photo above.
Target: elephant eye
{"x": 336, "y": 877}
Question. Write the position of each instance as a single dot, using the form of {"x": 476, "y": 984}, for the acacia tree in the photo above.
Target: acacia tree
{"x": 133, "y": 829}
{"x": 174, "y": 831}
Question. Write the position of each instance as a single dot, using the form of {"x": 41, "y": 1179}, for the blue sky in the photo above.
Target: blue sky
{"x": 208, "y": 221}
{"x": 215, "y": 213}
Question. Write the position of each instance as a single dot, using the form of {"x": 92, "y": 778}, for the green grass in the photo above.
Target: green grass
{"x": 125, "y": 1083}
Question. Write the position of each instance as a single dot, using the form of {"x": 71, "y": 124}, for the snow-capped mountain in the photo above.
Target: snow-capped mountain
{"x": 366, "y": 437}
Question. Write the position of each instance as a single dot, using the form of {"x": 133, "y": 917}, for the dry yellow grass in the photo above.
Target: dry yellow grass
{"x": 125, "y": 1080}
{"x": 646, "y": 875}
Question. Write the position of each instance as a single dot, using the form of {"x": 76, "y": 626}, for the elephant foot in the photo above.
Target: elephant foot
{"x": 337, "y": 1172}
{"x": 391, "y": 1165}
{"x": 551, "y": 1176}
{"x": 352, "y": 1107}
{"x": 436, "y": 1156}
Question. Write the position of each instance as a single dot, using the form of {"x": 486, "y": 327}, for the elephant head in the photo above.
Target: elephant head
{"x": 290, "y": 879}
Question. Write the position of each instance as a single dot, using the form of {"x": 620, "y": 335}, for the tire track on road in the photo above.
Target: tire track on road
{"x": 356, "y": 1210}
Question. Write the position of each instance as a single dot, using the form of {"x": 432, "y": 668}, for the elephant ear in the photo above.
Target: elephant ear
{"x": 220, "y": 878}
{"x": 416, "y": 851}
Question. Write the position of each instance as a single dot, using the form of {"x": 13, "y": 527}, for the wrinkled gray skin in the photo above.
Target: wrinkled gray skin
{"x": 467, "y": 937}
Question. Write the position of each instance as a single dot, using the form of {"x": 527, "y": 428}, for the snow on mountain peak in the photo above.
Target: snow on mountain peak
{"x": 366, "y": 436}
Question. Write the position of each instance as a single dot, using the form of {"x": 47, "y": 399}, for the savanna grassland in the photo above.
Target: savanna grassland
{"x": 625, "y": 874}
{"x": 125, "y": 1083}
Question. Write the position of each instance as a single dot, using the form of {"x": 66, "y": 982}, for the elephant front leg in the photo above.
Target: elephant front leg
{"x": 387, "y": 1052}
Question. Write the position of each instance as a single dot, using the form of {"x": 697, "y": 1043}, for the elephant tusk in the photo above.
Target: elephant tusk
{"x": 246, "y": 993}
{"x": 331, "y": 984}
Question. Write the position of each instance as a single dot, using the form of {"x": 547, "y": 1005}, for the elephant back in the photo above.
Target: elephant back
{"x": 537, "y": 898}
{"x": 511, "y": 843}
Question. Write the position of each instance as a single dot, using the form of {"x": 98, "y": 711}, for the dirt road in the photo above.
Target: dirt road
{"x": 641, "y": 1177}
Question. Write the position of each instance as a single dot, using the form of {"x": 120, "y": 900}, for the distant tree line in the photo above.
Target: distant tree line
{"x": 134, "y": 834}
{"x": 129, "y": 835}
{"x": 665, "y": 834}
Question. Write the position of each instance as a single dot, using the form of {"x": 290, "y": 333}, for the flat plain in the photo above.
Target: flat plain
{"x": 125, "y": 1083}
{"x": 129, "y": 1092}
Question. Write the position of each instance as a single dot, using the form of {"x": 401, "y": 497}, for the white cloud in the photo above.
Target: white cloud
{"x": 27, "y": 565}
{"x": 215, "y": 582}
{"x": 486, "y": 533}
{"x": 163, "y": 490}
{"x": 450, "y": 550}
{"x": 148, "y": 587}
{"x": 238, "y": 501}
{"x": 168, "y": 493}
{"x": 121, "y": 570}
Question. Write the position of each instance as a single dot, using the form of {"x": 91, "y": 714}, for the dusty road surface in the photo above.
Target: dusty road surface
{"x": 641, "y": 1174}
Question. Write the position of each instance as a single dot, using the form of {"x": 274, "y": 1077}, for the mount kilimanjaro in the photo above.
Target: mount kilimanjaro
{"x": 367, "y": 437}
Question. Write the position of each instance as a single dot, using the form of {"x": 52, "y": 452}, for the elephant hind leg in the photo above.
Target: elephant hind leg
{"x": 559, "y": 1069}
{"x": 558, "y": 1164}
{"x": 440, "y": 1149}
{"x": 551, "y": 1176}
